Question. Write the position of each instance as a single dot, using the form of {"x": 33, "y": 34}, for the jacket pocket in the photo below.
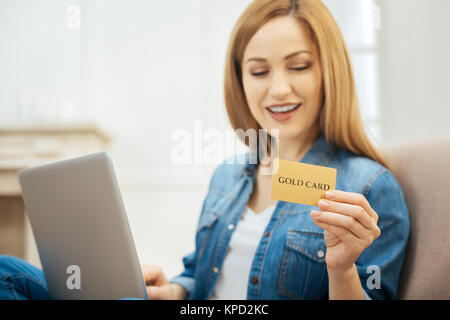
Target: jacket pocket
{"x": 205, "y": 226}
{"x": 303, "y": 272}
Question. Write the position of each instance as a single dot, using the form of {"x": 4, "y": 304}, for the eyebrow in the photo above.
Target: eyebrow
{"x": 285, "y": 58}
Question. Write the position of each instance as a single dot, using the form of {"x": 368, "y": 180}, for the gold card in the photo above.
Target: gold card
{"x": 301, "y": 183}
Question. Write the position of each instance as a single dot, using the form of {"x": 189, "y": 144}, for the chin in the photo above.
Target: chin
{"x": 290, "y": 132}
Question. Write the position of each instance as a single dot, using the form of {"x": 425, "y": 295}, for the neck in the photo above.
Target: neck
{"x": 293, "y": 149}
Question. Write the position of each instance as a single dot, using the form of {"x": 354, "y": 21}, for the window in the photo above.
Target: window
{"x": 359, "y": 21}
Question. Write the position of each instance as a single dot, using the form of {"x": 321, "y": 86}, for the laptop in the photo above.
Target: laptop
{"x": 81, "y": 229}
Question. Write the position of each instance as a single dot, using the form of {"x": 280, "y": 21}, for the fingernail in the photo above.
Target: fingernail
{"x": 315, "y": 213}
{"x": 323, "y": 203}
{"x": 330, "y": 194}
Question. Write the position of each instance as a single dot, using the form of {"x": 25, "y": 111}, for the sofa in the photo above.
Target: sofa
{"x": 423, "y": 171}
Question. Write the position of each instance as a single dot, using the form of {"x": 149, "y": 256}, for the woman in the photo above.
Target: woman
{"x": 292, "y": 53}
{"x": 288, "y": 69}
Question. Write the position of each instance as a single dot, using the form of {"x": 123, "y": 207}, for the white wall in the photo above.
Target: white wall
{"x": 39, "y": 61}
{"x": 415, "y": 69}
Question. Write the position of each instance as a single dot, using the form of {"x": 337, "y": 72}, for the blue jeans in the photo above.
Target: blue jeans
{"x": 20, "y": 280}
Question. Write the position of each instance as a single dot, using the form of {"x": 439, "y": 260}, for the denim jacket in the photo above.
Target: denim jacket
{"x": 289, "y": 262}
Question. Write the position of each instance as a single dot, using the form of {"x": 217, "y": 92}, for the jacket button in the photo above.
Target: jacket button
{"x": 216, "y": 270}
{"x": 255, "y": 280}
{"x": 230, "y": 226}
{"x": 267, "y": 234}
{"x": 320, "y": 254}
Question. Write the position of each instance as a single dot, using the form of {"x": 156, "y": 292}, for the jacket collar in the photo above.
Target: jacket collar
{"x": 319, "y": 154}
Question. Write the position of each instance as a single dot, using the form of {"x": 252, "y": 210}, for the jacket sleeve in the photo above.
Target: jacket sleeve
{"x": 380, "y": 264}
{"x": 187, "y": 278}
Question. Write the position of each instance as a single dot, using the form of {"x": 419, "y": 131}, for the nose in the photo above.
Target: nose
{"x": 280, "y": 86}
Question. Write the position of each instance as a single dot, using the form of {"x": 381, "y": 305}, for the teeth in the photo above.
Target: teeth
{"x": 284, "y": 108}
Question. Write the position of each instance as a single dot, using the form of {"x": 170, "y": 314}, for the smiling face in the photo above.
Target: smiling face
{"x": 282, "y": 78}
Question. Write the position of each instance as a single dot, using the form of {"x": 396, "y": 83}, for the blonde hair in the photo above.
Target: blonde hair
{"x": 340, "y": 119}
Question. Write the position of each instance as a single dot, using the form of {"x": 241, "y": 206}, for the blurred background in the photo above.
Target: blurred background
{"x": 124, "y": 76}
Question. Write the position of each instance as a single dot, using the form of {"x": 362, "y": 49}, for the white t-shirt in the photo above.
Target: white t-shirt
{"x": 233, "y": 279}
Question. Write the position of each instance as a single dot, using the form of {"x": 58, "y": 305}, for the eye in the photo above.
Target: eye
{"x": 300, "y": 68}
{"x": 259, "y": 74}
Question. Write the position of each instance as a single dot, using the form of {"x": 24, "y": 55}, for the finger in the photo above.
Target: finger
{"x": 351, "y": 198}
{"x": 158, "y": 293}
{"x": 342, "y": 233}
{"x": 350, "y": 210}
{"x": 343, "y": 221}
{"x": 153, "y": 274}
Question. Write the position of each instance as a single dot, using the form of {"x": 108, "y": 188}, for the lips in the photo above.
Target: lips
{"x": 283, "y": 112}
{"x": 283, "y": 107}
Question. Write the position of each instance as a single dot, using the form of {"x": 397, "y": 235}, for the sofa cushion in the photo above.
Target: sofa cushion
{"x": 423, "y": 171}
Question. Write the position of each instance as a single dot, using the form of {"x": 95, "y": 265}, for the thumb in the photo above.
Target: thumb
{"x": 158, "y": 293}
{"x": 153, "y": 274}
